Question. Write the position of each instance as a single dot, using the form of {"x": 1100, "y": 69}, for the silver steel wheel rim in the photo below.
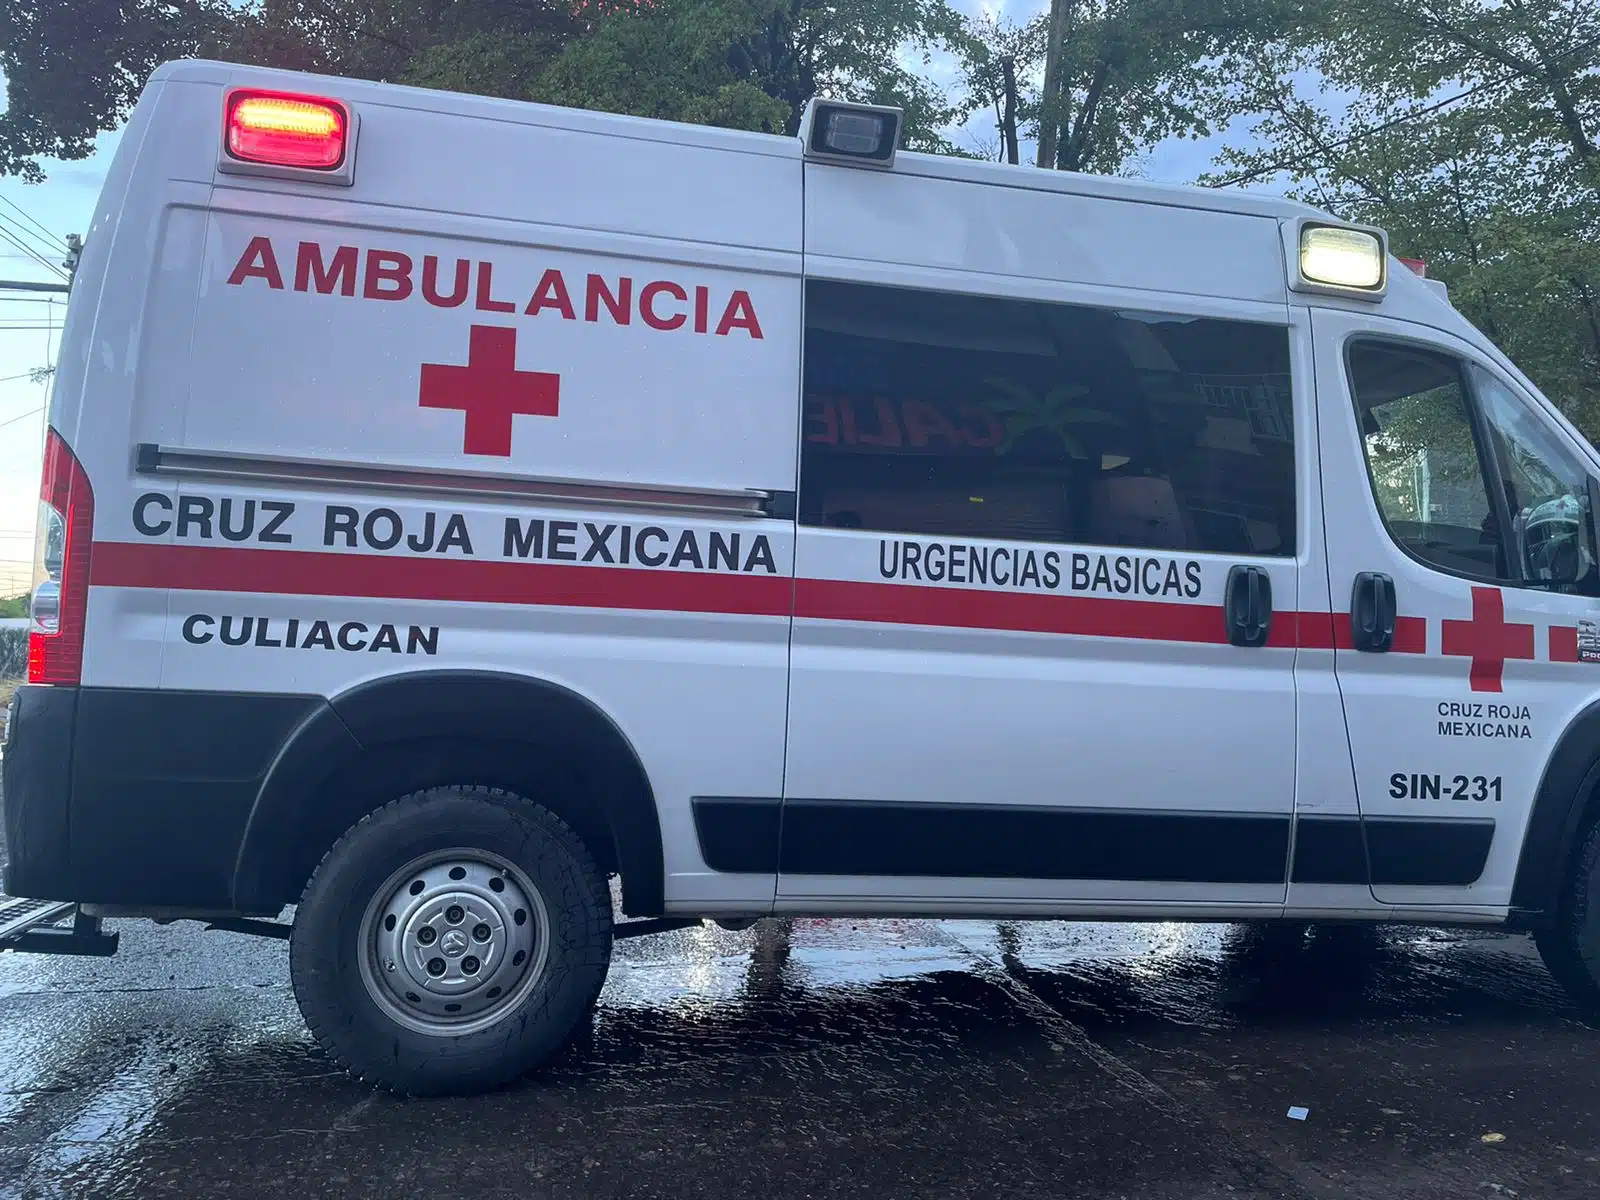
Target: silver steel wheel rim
{"x": 453, "y": 942}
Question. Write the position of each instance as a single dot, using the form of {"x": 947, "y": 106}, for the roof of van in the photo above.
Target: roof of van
{"x": 935, "y": 166}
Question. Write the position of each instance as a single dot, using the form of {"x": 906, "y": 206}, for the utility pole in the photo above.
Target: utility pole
{"x": 23, "y": 285}
{"x": 1050, "y": 107}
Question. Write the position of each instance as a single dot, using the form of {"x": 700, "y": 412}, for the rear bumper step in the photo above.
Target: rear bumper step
{"x": 35, "y": 927}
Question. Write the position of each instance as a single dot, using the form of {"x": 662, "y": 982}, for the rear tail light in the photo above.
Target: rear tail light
{"x": 1417, "y": 266}
{"x": 60, "y": 603}
{"x": 276, "y": 129}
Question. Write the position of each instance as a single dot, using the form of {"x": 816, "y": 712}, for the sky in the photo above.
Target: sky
{"x": 42, "y": 215}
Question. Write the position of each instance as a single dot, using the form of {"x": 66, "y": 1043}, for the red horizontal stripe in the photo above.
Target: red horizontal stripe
{"x": 318, "y": 573}
{"x": 1563, "y": 643}
{"x": 1031, "y": 612}
{"x": 1331, "y": 631}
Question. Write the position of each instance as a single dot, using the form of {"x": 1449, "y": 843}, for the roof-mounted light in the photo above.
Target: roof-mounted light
{"x": 1342, "y": 260}
{"x": 864, "y": 134}
{"x": 287, "y": 135}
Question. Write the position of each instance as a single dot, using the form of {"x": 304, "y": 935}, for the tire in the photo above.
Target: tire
{"x": 1571, "y": 947}
{"x": 472, "y": 873}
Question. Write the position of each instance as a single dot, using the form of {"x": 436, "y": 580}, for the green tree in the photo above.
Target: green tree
{"x": 74, "y": 67}
{"x": 756, "y": 63}
{"x": 1467, "y": 129}
{"x": 1123, "y": 75}
{"x": 1000, "y": 59}
{"x": 1096, "y": 82}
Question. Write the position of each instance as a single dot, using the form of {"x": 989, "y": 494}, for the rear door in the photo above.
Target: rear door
{"x": 1441, "y": 475}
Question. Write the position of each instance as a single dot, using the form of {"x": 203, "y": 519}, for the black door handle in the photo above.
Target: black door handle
{"x": 1372, "y": 612}
{"x": 1247, "y": 606}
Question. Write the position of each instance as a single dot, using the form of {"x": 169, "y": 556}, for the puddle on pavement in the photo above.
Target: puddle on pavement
{"x": 91, "y": 1052}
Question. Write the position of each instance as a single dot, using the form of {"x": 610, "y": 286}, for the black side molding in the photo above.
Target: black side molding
{"x": 738, "y": 834}
{"x": 1391, "y": 851}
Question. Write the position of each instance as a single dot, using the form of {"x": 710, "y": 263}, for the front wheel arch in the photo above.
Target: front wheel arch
{"x": 1566, "y": 801}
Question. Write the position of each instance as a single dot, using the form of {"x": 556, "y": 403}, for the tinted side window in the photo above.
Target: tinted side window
{"x": 1423, "y": 457}
{"x": 1546, "y": 491}
{"x": 936, "y": 413}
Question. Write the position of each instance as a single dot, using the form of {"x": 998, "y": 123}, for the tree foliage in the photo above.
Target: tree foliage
{"x": 1467, "y": 129}
{"x": 74, "y": 67}
{"x": 1095, "y": 82}
{"x": 754, "y": 64}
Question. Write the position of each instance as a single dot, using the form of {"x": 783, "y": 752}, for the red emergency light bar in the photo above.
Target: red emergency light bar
{"x": 278, "y": 129}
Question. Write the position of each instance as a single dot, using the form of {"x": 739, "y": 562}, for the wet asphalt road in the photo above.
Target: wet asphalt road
{"x": 812, "y": 1058}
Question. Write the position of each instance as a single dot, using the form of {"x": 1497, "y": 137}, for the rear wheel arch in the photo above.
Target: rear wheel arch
{"x": 1566, "y": 801}
{"x": 403, "y": 733}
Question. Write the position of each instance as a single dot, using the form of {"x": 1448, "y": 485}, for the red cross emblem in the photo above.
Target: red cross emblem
{"x": 490, "y": 390}
{"x": 1487, "y": 639}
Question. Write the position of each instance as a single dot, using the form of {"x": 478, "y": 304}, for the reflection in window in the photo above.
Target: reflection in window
{"x": 1546, "y": 490}
{"x": 976, "y": 416}
{"x": 1423, "y": 458}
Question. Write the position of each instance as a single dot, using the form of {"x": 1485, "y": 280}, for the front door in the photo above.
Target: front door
{"x": 1012, "y": 682}
{"x": 1445, "y": 481}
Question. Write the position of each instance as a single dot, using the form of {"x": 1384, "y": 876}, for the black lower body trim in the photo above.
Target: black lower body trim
{"x": 1391, "y": 851}
{"x": 1407, "y": 852}
{"x": 860, "y": 838}
{"x": 829, "y": 837}
{"x": 1329, "y": 850}
{"x": 124, "y": 796}
{"x": 738, "y": 834}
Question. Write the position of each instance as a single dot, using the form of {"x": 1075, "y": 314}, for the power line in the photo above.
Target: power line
{"x": 26, "y": 240}
{"x": 30, "y": 219}
{"x": 8, "y": 236}
{"x": 24, "y": 375}
{"x": 20, "y": 416}
{"x": 1402, "y": 119}
{"x": 42, "y": 246}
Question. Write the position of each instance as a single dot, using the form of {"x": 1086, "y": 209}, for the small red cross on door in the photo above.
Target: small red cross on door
{"x": 1487, "y": 639}
{"x": 490, "y": 390}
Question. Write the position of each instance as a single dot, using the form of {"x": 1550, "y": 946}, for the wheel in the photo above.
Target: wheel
{"x": 450, "y": 941}
{"x": 1571, "y": 947}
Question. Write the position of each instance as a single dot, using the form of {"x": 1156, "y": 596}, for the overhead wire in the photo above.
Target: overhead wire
{"x": 42, "y": 246}
{"x": 21, "y": 416}
{"x": 7, "y": 235}
{"x": 50, "y": 237}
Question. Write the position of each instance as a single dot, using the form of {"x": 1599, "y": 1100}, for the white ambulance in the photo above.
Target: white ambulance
{"x": 451, "y": 505}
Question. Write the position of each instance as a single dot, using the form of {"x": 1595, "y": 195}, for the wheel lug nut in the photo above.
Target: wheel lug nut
{"x": 436, "y": 967}
{"x": 481, "y": 932}
{"x": 454, "y": 915}
{"x": 469, "y": 965}
{"x": 427, "y": 935}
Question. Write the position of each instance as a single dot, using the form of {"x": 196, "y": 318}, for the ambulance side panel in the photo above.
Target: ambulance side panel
{"x": 519, "y": 406}
{"x": 1018, "y": 695}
